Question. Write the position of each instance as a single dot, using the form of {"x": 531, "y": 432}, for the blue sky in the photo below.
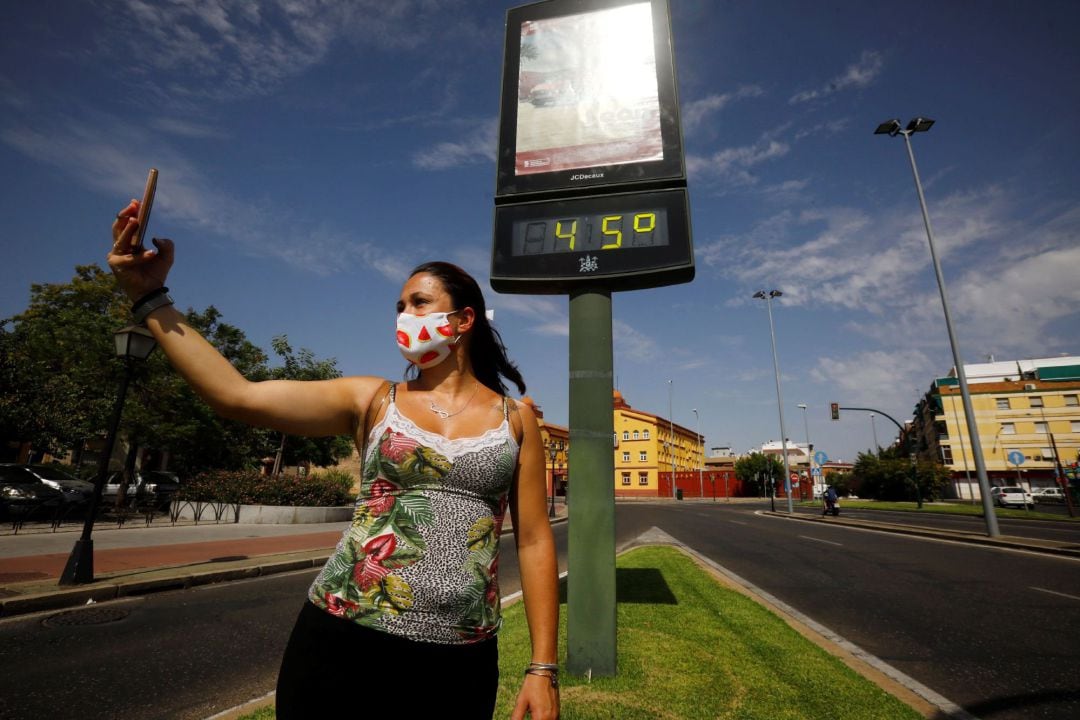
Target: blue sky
{"x": 312, "y": 152}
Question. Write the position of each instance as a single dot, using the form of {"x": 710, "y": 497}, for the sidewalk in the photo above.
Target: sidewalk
{"x": 137, "y": 560}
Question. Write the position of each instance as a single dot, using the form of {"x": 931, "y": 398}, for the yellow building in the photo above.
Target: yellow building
{"x": 1027, "y": 411}
{"x": 556, "y": 440}
{"x": 644, "y": 447}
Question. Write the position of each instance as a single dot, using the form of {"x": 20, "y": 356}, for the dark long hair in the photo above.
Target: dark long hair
{"x": 486, "y": 350}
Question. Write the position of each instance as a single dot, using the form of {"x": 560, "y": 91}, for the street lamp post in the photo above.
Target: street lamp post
{"x": 671, "y": 438}
{"x": 700, "y": 470}
{"x": 132, "y": 343}
{"x": 552, "y": 452}
{"x": 873, "y": 429}
{"x": 768, "y": 297}
{"x": 809, "y": 449}
{"x": 919, "y": 124}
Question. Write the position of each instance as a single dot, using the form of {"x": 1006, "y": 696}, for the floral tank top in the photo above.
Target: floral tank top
{"x": 421, "y": 557}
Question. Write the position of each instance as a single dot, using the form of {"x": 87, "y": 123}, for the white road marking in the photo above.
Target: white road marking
{"x": 1053, "y": 592}
{"x": 737, "y": 522}
{"x": 830, "y": 542}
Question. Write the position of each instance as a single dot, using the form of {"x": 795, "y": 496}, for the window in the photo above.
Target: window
{"x": 635, "y": 434}
{"x": 1003, "y": 403}
{"x": 1036, "y": 402}
{"x": 1040, "y": 427}
{"x": 946, "y": 455}
{"x": 626, "y": 478}
{"x": 646, "y": 434}
{"x": 1047, "y": 453}
{"x": 626, "y": 456}
{"x": 1008, "y": 428}
{"x": 643, "y": 478}
{"x": 625, "y": 434}
{"x": 644, "y": 456}
{"x": 1071, "y": 400}
{"x": 1075, "y": 426}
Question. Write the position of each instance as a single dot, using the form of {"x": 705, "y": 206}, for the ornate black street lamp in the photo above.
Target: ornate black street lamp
{"x": 553, "y": 451}
{"x": 132, "y": 343}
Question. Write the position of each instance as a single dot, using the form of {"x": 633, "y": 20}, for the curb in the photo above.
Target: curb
{"x": 1071, "y": 551}
{"x": 106, "y": 589}
{"x": 101, "y": 592}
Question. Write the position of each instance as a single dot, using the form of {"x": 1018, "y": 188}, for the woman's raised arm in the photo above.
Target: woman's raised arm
{"x": 313, "y": 408}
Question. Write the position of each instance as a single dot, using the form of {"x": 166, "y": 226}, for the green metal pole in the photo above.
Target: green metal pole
{"x": 590, "y": 609}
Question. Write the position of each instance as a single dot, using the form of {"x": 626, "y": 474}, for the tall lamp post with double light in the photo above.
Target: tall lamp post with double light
{"x": 768, "y": 298}
{"x": 920, "y": 124}
{"x": 132, "y": 343}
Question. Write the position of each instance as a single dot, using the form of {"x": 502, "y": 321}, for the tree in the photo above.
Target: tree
{"x": 168, "y": 415}
{"x": 58, "y": 366}
{"x": 755, "y": 469}
{"x": 887, "y": 475}
{"x": 59, "y": 375}
{"x": 294, "y": 450}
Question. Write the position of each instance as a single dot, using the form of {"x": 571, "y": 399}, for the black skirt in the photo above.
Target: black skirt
{"x": 333, "y": 665}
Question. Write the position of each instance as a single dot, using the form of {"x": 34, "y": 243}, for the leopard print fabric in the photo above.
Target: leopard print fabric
{"x": 421, "y": 557}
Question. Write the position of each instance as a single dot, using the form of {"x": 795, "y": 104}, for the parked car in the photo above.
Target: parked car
{"x": 22, "y": 492}
{"x": 1011, "y": 496}
{"x": 75, "y": 490}
{"x": 1048, "y": 495}
{"x": 139, "y": 491}
{"x": 165, "y": 484}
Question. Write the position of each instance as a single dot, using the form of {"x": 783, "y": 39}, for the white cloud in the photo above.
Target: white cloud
{"x": 226, "y": 50}
{"x": 879, "y": 379}
{"x": 632, "y": 344}
{"x": 696, "y": 111}
{"x": 186, "y": 128}
{"x": 478, "y": 145}
{"x": 857, "y": 75}
{"x": 732, "y": 165}
{"x": 111, "y": 156}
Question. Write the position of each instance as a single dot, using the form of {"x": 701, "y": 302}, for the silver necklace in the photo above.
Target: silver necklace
{"x": 434, "y": 407}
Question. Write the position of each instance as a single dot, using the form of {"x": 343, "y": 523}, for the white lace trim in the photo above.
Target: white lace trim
{"x": 449, "y": 448}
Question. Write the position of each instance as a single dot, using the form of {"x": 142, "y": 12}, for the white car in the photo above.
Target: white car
{"x": 1048, "y": 495}
{"x": 1011, "y": 496}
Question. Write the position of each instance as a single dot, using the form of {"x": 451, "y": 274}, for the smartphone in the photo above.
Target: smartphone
{"x": 137, "y": 247}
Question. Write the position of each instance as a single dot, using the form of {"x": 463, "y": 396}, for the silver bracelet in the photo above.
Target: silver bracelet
{"x": 144, "y": 308}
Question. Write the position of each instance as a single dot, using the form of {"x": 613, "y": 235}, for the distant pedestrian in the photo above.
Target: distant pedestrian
{"x": 402, "y": 620}
{"x": 830, "y": 497}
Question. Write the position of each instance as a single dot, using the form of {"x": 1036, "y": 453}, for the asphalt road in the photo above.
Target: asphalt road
{"x": 1047, "y": 530}
{"x": 994, "y": 631}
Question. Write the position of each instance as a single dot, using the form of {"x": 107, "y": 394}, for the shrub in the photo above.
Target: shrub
{"x": 246, "y": 487}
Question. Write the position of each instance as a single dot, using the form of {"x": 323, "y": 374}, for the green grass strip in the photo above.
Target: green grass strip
{"x": 691, "y": 648}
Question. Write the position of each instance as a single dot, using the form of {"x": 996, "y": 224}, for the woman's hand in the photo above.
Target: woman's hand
{"x": 537, "y": 699}
{"x": 137, "y": 274}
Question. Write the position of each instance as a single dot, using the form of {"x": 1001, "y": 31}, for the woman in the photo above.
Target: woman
{"x": 403, "y": 617}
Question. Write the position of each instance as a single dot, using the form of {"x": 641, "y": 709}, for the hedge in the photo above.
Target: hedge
{"x": 326, "y": 489}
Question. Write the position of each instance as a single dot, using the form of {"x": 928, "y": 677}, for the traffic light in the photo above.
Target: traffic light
{"x": 834, "y": 408}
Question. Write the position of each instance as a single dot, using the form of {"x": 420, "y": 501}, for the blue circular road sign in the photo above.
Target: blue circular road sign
{"x": 820, "y": 457}
{"x": 1016, "y": 457}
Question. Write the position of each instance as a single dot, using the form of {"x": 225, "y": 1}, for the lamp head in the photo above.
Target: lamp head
{"x": 760, "y": 295}
{"x": 889, "y": 127}
{"x": 775, "y": 293}
{"x": 919, "y": 124}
